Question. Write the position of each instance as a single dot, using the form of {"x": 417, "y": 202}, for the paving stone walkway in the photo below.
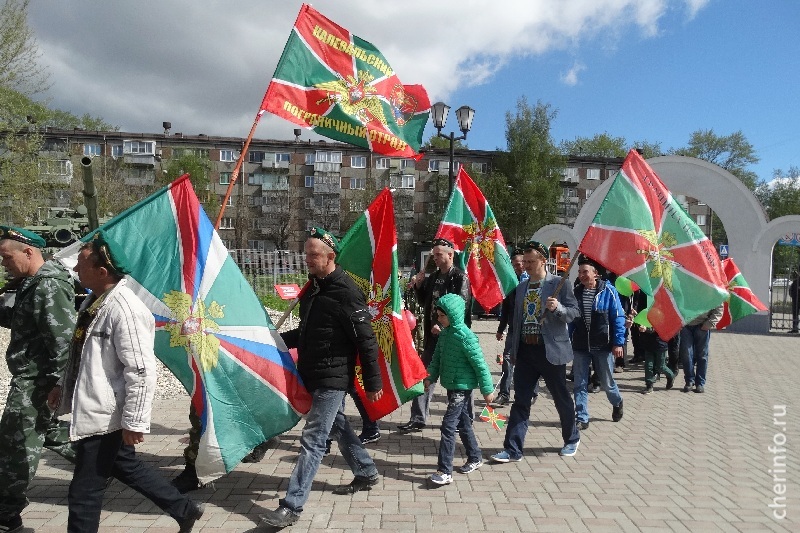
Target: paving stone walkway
{"x": 675, "y": 462}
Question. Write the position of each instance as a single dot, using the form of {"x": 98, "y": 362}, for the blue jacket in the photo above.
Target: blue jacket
{"x": 554, "y": 324}
{"x": 607, "y": 324}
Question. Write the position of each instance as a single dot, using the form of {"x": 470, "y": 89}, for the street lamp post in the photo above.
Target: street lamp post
{"x": 464, "y": 114}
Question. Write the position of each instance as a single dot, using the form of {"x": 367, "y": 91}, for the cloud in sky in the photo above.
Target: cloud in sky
{"x": 204, "y": 66}
{"x": 571, "y": 76}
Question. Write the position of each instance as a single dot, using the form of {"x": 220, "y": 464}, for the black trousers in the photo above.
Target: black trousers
{"x": 100, "y": 457}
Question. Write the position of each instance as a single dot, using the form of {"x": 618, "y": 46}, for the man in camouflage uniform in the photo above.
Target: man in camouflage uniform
{"x": 41, "y": 323}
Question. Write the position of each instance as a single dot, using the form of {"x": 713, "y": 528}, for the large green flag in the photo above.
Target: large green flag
{"x": 343, "y": 88}
{"x": 640, "y": 232}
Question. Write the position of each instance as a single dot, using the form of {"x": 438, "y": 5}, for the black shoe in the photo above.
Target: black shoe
{"x": 280, "y": 517}
{"x": 570, "y": 376}
{"x": 260, "y": 451}
{"x": 327, "y": 448}
{"x": 194, "y": 513}
{"x": 501, "y": 400}
{"x": 688, "y": 387}
{"x": 368, "y": 439}
{"x": 648, "y": 389}
{"x": 670, "y": 382}
{"x": 412, "y": 426}
{"x": 11, "y": 524}
{"x": 616, "y": 414}
{"x": 699, "y": 389}
{"x": 358, "y": 484}
{"x": 594, "y": 387}
{"x": 583, "y": 425}
{"x": 187, "y": 480}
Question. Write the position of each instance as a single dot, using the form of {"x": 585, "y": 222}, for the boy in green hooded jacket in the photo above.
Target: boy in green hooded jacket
{"x": 458, "y": 362}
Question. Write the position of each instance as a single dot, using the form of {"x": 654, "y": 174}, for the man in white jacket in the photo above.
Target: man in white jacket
{"x": 109, "y": 386}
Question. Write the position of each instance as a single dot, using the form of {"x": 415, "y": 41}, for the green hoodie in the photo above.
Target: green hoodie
{"x": 458, "y": 360}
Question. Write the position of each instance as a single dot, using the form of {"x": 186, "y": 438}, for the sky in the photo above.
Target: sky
{"x": 655, "y": 70}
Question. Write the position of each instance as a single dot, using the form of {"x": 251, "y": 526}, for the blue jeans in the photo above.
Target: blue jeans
{"x": 694, "y": 354}
{"x": 458, "y": 416}
{"x": 504, "y": 388}
{"x": 421, "y": 405}
{"x": 532, "y": 364}
{"x": 100, "y": 457}
{"x": 604, "y": 366}
{"x": 325, "y": 418}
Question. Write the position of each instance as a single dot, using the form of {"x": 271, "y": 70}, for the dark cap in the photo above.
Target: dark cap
{"x": 22, "y": 235}
{"x": 439, "y": 241}
{"x": 539, "y": 247}
{"x": 326, "y": 237}
{"x": 111, "y": 252}
{"x": 583, "y": 260}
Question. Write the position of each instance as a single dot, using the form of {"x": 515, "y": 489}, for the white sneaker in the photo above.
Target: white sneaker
{"x": 441, "y": 478}
{"x": 469, "y": 467}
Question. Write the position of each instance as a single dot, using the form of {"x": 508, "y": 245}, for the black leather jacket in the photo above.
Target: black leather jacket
{"x": 335, "y": 325}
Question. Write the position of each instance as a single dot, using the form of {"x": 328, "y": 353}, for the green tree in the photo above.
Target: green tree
{"x": 19, "y": 51}
{"x": 732, "y": 152}
{"x": 605, "y": 145}
{"x": 442, "y": 143}
{"x": 532, "y": 168}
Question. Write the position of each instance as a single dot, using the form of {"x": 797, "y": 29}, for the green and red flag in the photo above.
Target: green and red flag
{"x": 741, "y": 301}
{"x": 211, "y": 330}
{"x": 471, "y": 226}
{"x": 342, "y": 87}
{"x": 642, "y": 233}
{"x": 368, "y": 253}
{"x": 497, "y": 420}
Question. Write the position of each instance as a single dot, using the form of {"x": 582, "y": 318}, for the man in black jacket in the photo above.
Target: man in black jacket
{"x": 446, "y": 280}
{"x": 335, "y": 325}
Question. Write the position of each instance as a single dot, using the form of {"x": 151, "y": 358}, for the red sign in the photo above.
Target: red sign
{"x": 288, "y": 291}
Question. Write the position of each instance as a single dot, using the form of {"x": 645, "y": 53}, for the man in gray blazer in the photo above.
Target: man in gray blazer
{"x": 540, "y": 347}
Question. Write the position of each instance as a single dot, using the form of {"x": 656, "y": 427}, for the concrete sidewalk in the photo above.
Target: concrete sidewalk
{"x": 675, "y": 462}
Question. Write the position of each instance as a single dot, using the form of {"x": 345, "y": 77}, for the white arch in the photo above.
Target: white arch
{"x": 750, "y": 236}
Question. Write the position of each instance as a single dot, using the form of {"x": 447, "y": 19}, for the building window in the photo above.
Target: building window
{"x": 404, "y": 181}
{"x": 229, "y": 203}
{"x": 92, "y": 150}
{"x": 255, "y": 157}
{"x": 356, "y": 205}
{"x": 358, "y": 183}
{"x": 328, "y": 157}
{"x": 226, "y": 223}
{"x": 408, "y": 163}
{"x": 431, "y": 208}
{"x": 282, "y": 157}
{"x": 382, "y": 163}
{"x": 224, "y": 178}
{"x": 358, "y": 161}
{"x": 571, "y": 174}
{"x": 433, "y": 165}
{"x": 309, "y": 181}
{"x": 589, "y": 193}
{"x": 308, "y": 203}
{"x": 592, "y": 173}
{"x": 60, "y": 167}
{"x": 310, "y": 159}
{"x": 701, "y": 220}
{"x": 228, "y": 156}
{"x": 139, "y": 147}
{"x": 480, "y": 168}
{"x": 570, "y": 192}
{"x": 116, "y": 150}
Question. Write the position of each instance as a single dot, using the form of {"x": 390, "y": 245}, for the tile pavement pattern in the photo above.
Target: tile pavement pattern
{"x": 676, "y": 462}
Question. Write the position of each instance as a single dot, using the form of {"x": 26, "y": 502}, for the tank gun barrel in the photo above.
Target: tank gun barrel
{"x": 89, "y": 193}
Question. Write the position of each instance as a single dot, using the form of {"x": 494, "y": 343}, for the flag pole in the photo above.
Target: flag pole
{"x": 236, "y": 170}
{"x": 286, "y": 313}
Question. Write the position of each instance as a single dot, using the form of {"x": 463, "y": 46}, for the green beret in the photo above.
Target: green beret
{"x": 22, "y": 235}
{"x": 112, "y": 253}
{"x": 539, "y": 247}
{"x": 326, "y": 237}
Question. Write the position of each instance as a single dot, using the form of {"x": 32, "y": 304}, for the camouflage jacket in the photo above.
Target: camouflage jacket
{"x": 41, "y": 321}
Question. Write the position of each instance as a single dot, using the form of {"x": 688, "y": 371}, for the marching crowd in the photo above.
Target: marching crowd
{"x": 99, "y": 365}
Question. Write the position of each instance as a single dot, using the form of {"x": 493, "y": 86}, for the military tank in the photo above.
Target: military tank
{"x": 61, "y": 226}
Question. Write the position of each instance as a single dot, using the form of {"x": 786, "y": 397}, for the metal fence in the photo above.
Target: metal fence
{"x": 780, "y": 303}
{"x": 263, "y": 270}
